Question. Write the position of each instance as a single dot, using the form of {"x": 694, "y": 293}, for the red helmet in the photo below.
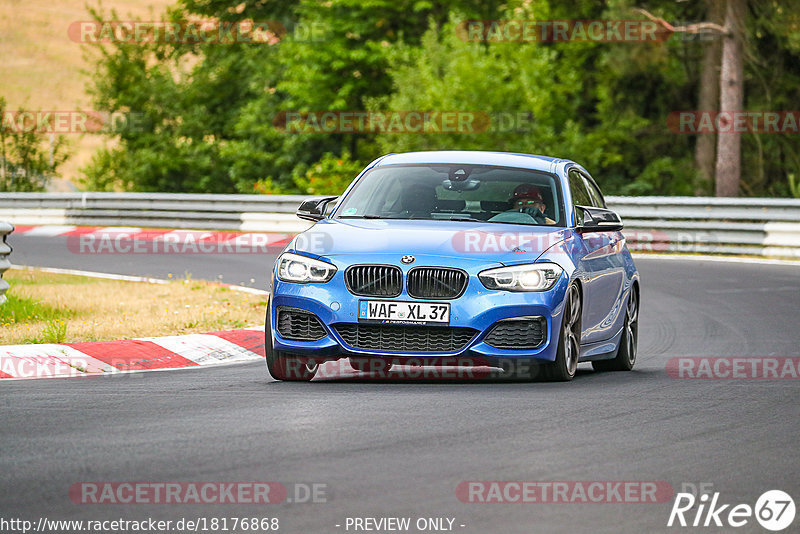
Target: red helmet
{"x": 526, "y": 191}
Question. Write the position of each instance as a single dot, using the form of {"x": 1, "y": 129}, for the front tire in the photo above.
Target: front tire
{"x": 628, "y": 345}
{"x": 284, "y": 366}
{"x": 569, "y": 342}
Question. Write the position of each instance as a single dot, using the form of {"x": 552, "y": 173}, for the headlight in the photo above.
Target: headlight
{"x": 530, "y": 277}
{"x": 300, "y": 269}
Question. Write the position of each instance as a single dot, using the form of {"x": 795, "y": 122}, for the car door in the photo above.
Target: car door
{"x": 601, "y": 268}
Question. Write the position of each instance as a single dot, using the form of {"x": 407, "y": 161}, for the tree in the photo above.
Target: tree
{"x": 708, "y": 98}
{"x": 27, "y": 160}
{"x": 211, "y": 111}
{"x": 731, "y": 99}
{"x": 606, "y": 117}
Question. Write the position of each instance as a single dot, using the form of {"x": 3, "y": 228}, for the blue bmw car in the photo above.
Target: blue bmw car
{"x": 457, "y": 257}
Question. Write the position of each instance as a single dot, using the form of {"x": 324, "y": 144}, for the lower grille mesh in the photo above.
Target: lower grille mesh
{"x": 405, "y": 338}
{"x": 299, "y": 325}
{"x": 517, "y": 334}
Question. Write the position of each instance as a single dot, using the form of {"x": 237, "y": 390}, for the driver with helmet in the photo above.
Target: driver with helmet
{"x": 526, "y": 199}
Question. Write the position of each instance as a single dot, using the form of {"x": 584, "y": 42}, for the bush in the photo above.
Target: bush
{"x": 25, "y": 157}
{"x": 329, "y": 176}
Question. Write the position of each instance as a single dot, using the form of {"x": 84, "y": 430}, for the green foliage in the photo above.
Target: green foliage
{"x": 329, "y": 176}
{"x": 574, "y": 114}
{"x": 54, "y": 332}
{"x": 17, "y": 309}
{"x": 446, "y": 73}
{"x": 794, "y": 186}
{"x": 769, "y": 162}
{"x": 191, "y": 96}
{"x": 211, "y": 110}
{"x": 345, "y": 62}
{"x": 25, "y": 154}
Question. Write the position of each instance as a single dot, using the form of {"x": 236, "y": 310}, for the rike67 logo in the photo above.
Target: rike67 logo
{"x": 774, "y": 510}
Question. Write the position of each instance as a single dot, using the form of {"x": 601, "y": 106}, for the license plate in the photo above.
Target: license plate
{"x": 391, "y": 311}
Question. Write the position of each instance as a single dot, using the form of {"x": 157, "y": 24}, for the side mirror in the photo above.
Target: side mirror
{"x": 597, "y": 220}
{"x": 315, "y": 209}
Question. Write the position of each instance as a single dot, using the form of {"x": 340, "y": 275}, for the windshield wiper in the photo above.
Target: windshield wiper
{"x": 469, "y": 219}
{"x": 395, "y": 217}
{"x": 365, "y": 216}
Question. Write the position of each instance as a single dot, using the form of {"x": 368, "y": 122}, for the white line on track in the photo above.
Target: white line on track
{"x": 110, "y": 276}
{"x": 117, "y": 373}
{"x": 48, "y": 231}
{"x": 721, "y": 259}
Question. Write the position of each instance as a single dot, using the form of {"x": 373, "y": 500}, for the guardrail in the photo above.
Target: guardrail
{"x": 249, "y": 213}
{"x": 764, "y": 227}
{"x": 5, "y": 250}
{"x": 755, "y": 226}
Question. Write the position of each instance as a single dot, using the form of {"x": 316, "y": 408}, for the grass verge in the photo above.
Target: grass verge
{"x": 56, "y": 308}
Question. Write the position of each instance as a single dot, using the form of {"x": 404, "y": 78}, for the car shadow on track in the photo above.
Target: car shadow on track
{"x": 444, "y": 375}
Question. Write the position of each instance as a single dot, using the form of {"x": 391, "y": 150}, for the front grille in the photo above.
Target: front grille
{"x": 526, "y": 333}
{"x": 374, "y": 280}
{"x": 436, "y": 282}
{"x": 299, "y": 325}
{"x": 405, "y": 338}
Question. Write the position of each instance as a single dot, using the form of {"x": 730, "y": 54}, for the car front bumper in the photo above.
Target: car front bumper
{"x": 477, "y": 308}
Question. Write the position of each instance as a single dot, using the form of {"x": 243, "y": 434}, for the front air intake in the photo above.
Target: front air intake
{"x": 517, "y": 334}
{"x": 299, "y": 325}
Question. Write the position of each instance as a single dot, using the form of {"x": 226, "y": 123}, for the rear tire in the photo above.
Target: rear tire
{"x": 629, "y": 342}
{"x": 284, "y": 366}
{"x": 569, "y": 342}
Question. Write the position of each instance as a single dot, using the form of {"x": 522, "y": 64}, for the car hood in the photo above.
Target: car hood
{"x": 466, "y": 241}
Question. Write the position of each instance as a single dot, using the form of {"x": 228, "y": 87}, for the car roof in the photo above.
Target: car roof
{"x": 475, "y": 157}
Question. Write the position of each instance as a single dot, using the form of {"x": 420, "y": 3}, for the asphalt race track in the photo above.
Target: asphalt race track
{"x": 237, "y": 269}
{"x": 400, "y": 448}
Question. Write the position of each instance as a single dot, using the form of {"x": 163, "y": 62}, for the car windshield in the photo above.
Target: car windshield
{"x": 456, "y": 192}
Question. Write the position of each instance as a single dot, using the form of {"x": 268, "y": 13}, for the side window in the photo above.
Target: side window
{"x": 579, "y": 195}
{"x": 594, "y": 194}
{"x": 576, "y": 185}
